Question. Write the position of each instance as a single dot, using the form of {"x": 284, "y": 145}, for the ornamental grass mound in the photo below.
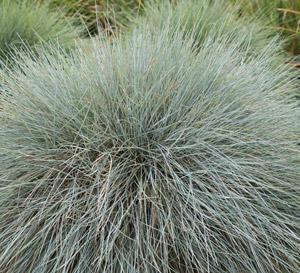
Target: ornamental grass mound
{"x": 146, "y": 156}
{"x": 251, "y": 32}
{"x": 28, "y": 23}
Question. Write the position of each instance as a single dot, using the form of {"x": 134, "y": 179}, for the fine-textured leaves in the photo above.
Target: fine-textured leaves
{"x": 27, "y": 23}
{"x": 144, "y": 156}
{"x": 284, "y": 16}
{"x": 206, "y": 17}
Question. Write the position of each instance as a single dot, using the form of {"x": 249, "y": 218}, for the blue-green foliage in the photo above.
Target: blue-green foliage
{"x": 146, "y": 156}
{"x": 28, "y": 23}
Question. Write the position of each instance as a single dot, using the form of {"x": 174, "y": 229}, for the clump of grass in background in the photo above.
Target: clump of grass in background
{"x": 202, "y": 18}
{"x": 144, "y": 156}
{"x": 283, "y": 14}
{"x": 28, "y": 23}
{"x": 107, "y": 15}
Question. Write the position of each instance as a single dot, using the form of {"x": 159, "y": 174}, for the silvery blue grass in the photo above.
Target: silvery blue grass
{"x": 210, "y": 18}
{"x": 145, "y": 156}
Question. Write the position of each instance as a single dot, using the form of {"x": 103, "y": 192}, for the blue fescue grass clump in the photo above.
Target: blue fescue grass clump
{"x": 28, "y": 23}
{"x": 201, "y": 17}
{"x": 146, "y": 156}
